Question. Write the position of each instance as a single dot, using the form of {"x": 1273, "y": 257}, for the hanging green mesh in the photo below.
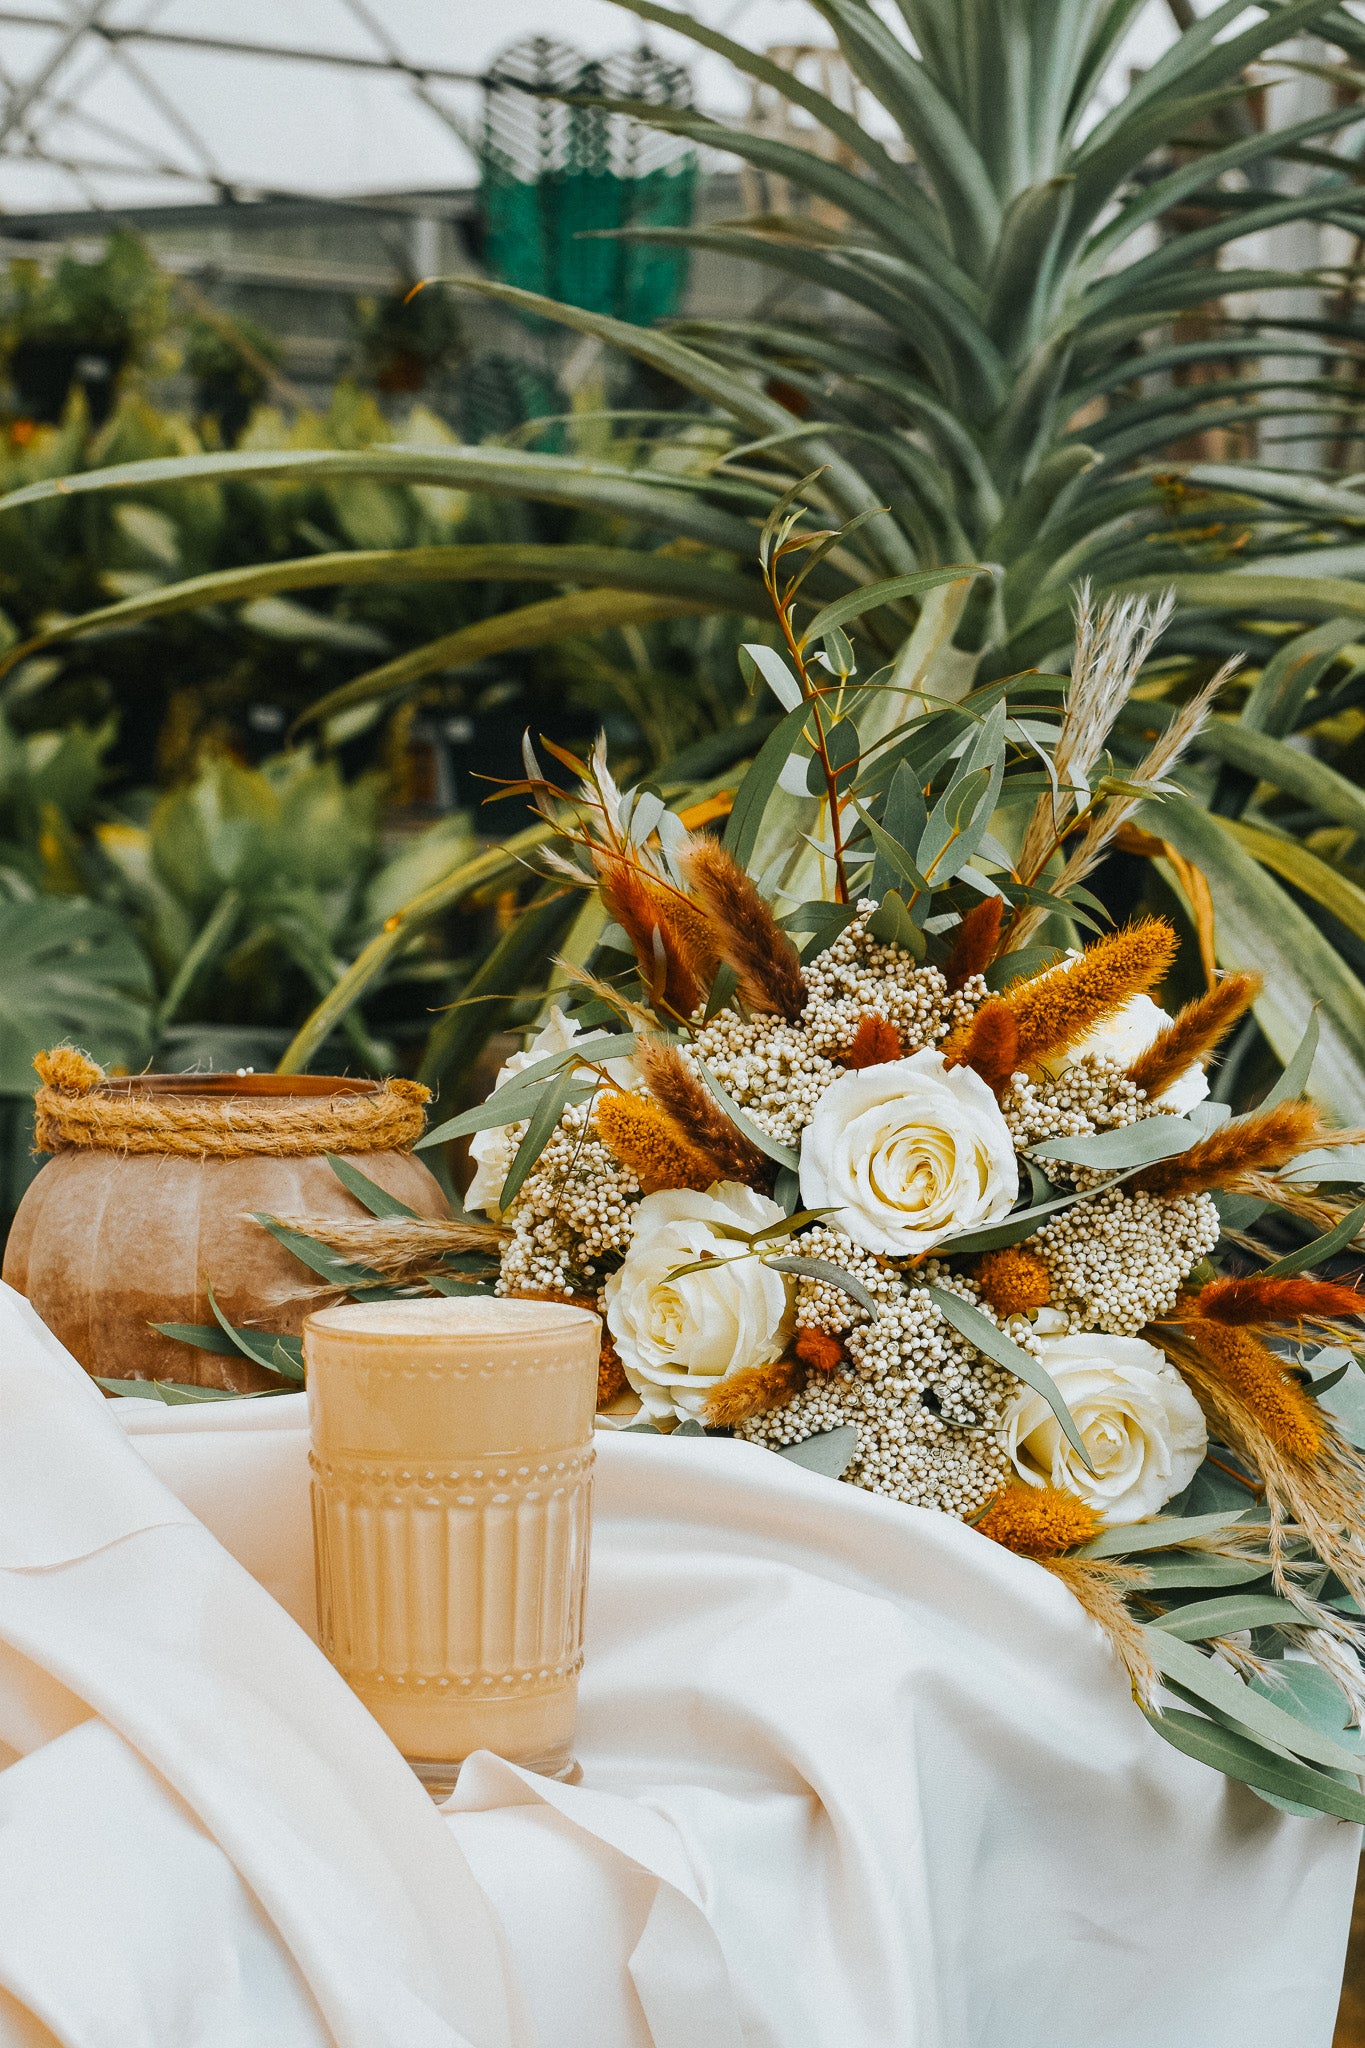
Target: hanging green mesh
{"x": 500, "y": 393}
{"x": 554, "y": 178}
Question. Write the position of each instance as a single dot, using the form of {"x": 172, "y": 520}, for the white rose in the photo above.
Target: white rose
{"x": 1139, "y": 1422}
{"x": 1126, "y": 1034}
{"x": 908, "y": 1153}
{"x": 678, "y": 1338}
{"x": 492, "y": 1150}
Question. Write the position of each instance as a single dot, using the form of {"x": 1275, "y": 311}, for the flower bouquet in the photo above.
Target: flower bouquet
{"x": 858, "y": 1170}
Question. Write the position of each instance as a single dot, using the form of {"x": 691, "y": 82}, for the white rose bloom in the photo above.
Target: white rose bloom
{"x": 1126, "y": 1034}
{"x": 1139, "y": 1421}
{"x": 677, "y": 1339}
{"x": 908, "y": 1153}
{"x": 492, "y": 1150}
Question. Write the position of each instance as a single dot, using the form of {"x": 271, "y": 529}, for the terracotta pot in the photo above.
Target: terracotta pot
{"x": 106, "y": 1243}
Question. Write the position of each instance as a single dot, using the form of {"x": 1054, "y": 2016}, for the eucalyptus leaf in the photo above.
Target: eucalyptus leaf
{"x": 1139, "y": 1144}
{"x": 1217, "y": 1687}
{"x": 1163, "y": 1532}
{"x": 830, "y": 1274}
{"x": 367, "y": 1192}
{"x": 1325, "y": 1247}
{"x": 1240, "y": 1756}
{"x": 1202, "y": 1619}
{"x": 831, "y": 1452}
{"x": 980, "y": 1331}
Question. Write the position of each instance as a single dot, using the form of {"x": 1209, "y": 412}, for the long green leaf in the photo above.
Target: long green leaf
{"x": 670, "y": 505}
{"x": 1163, "y": 1532}
{"x": 1325, "y": 1247}
{"x": 1202, "y": 1619}
{"x": 1237, "y": 1756}
{"x": 620, "y": 569}
{"x": 1217, "y": 1687}
{"x": 980, "y": 1331}
{"x": 1259, "y": 929}
{"x": 887, "y": 592}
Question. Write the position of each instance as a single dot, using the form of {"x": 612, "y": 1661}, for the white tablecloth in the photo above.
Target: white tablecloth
{"x": 854, "y": 1778}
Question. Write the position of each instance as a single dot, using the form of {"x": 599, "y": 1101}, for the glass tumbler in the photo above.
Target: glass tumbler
{"x": 452, "y": 1483}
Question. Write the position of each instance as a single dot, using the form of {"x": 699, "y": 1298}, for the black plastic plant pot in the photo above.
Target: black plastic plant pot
{"x": 44, "y": 372}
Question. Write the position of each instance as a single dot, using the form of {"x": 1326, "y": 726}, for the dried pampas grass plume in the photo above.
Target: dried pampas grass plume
{"x": 1250, "y": 1144}
{"x": 1193, "y": 1033}
{"x": 748, "y": 936}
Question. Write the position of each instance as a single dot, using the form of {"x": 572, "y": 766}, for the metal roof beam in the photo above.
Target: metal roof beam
{"x": 222, "y": 46}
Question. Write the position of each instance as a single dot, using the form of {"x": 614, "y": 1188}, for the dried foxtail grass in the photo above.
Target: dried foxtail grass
{"x": 400, "y": 1248}
{"x": 698, "y": 1117}
{"x": 1316, "y": 1498}
{"x": 1249, "y": 1144}
{"x": 1102, "y": 1586}
{"x": 1193, "y": 1033}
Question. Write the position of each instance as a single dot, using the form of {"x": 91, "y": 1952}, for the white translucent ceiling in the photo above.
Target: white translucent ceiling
{"x": 123, "y": 103}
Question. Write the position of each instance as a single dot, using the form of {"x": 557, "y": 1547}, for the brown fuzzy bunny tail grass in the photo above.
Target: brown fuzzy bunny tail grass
{"x": 1249, "y": 1144}
{"x": 975, "y": 941}
{"x": 754, "y": 1390}
{"x": 749, "y": 936}
{"x": 698, "y": 1118}
{"x": 1053, "y": 1010}
{"x": 989, "y": 1045}
{"x": 1276, "y": 1298}
{"x": 675, "y": 948}
{"x": 1193, "y": 1033}
{"x": 645, "y": 1139}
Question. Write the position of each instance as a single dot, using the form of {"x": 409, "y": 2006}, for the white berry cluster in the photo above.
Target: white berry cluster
{"x": 860, "y": 977}
{"x": 769, "y": 1066}
{"x": 1119, "y": 1260}
{"x": 574, "y": 1215}
{"x": 1094, "y": 1094}
{"x": 926, "y": 1405}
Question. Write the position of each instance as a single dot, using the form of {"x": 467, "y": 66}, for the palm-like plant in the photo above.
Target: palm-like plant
{"x": 1024, "y": 317}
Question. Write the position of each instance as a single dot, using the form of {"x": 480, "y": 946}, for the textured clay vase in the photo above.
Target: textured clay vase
{"x": 107, "y": 1242}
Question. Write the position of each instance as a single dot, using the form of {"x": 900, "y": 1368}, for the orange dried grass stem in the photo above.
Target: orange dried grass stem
{"x": 698, "y": 1117}
{"x": 1193, "y": 1033}
{"x": 748, "y": 936}
{"x": 675, "y": 949}
{"x": 1270, "y": 1298}
{"x": 874, "y": 1043}
{"x": 754, "y": 1391}
{"x": 1052, "y": 1011}
{"x": 644, "y": 1138}
{"x": 1266, "y": 1138}
{"x": 975, "y": 941}
{"x": 1290, "y": 1418}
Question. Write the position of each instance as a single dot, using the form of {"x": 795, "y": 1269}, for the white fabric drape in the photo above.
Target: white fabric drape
{"x": 854, "y": 1778}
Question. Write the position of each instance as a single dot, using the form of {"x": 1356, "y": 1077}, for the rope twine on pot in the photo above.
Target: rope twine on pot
{"x": 79, "y": 1106}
